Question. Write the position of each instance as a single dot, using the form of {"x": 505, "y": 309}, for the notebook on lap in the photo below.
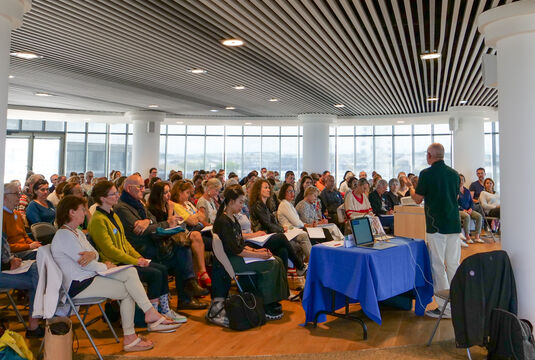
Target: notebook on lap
{"x": 362, "y": 233}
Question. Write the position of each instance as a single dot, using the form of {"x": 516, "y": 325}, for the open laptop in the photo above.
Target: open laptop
{"x": 362, "y": 233}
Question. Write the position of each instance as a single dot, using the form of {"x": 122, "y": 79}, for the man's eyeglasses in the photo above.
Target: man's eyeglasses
{"x": 140, "y": 187}
{"x": 14, "y": 193}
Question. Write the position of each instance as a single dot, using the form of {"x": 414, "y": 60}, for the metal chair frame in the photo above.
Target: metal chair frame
{"x": 14, "y": 305}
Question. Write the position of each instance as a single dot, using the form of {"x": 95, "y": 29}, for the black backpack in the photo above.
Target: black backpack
{"x": 510, "y": 337}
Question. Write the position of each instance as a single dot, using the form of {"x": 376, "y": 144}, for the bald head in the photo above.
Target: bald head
{"x": 435, "y": 152}
{"x": 134, "y": 185}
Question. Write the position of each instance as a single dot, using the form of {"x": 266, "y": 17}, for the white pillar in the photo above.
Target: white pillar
{"x": 316, "y": 141}
{"x": 146, "y": 140}
{"x": 510, "y": 29}
{"x": 468, "y": 139}
{"x": 11, "y": 13}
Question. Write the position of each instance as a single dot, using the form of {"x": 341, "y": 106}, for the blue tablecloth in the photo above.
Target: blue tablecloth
{"x": 367, "y": 276}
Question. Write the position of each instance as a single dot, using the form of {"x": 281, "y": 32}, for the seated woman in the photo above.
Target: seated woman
{"x": 170, "y": 251}
{"x": 76, "y": 190}
{"x": 392, "y": 197}
{"x": 208, "y": 203}
{"x": 489, "y": 199}
{"x": 404, "y": 186}
{"x": 108, "y": 234}
{"x": 271, "y": 280}
{"x": 344, "y": 185}
{"x": 78, "y": 261}
{"x": 40, "y": 209}
{"x": 305, "y": 182}
{"x": 195, "y": 221}
{"x": 466, "y": 212}
{"x": 264, "y": 220}
{"x": 357, "y": 205}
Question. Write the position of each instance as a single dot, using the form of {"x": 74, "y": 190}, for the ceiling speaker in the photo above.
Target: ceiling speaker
{"x": 454, "y": 124}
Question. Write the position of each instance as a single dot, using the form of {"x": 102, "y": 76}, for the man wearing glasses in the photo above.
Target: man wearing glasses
{"x": 13, "y": 226}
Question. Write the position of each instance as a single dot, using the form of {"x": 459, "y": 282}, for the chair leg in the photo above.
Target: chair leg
{"x": 468, "y": 353}
{"x": 438, "y": 322}
{"x": 19, "y": 316}
{"x": 73, "y": 308}
{"x": 109, "y": 323}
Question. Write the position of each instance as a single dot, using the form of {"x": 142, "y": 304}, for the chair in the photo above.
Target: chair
{"x": 221, "y": 256}
{"x": 12, "y": 301}
{"x": 485, "y": 221}
{"x": 43, "y": 232}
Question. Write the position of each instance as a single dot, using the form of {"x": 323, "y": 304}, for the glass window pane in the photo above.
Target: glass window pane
{"x": 383, "y": 130}
{"x": 496, "y": 126}
{"x": 289, "y": 154}
{"x": 345, "y": 152}
{"x": 196, "y": 129}
{"x": 96, "y": 154}
{"x": 96, "y": 127}
{"x": 195, "y": 154}
{"x": 32, "y": 125}
{"x": 487, "y": 126}
{"x": 75, "y": 152}
{"x": 76, "y": 127}
{"x": 118, "y": 128}
{"x": 445, "y": 140}
{"x": 233, "y": 154}
{"x": 332, "y": 130}
{"x": 403, "y": 154}
{"x": 176, "y": 129}
{"x": 364, "y": 155}
{"x": 422, "y": 129}
{"x": 13, "y": 124}
{"x": 251, "y": 130}
{"x": 163, "y": 129}
{"x": 118, "y": 153}
{"x": 17, "y": 161}
{"x": 233, "y": 130}
{"x": 215, "y": 130}
{"x": 383, "y": 156}
{"x": 364, "y": 130}
{"x": 496, "y": 172}
{"x": 290, "y": 130}
{"x": 214, "y": 152}
{"x": 402, "y": 129}
{"x": 46, "y": 156}
{"x": 270, "y": 153}
{"x": 130, "y": 128}
{"x": 270, "y": 130}
{"x": 488, "y": 155}
{"x": 54, "y": 126}
{"x": 346, "y": 130}
{"x": 332, "y": 158}
{"x": 441, "y": 128}
{"x": 129, "y": 154}
{"x": 251, "y": 153}
{"x": 161, "y": 159}
{"x": 420, "y": 152}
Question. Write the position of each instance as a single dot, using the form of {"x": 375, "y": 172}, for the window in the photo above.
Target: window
{"x": 118, "y": 153}
{"x": 214, "y": 151}
{"x": 96, "y": 154}
{"x": 75, "y": 152}
{"x": 195, "y": 154}
{"x": 270, "y": 152}
{"x": 233, "y": 154}
{"x": 252, "y": 154}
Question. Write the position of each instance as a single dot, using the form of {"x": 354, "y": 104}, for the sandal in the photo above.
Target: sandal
{"x": 134, "y": 345}
{"x": 204, "y": 279}
{"x": 158, "y": 326}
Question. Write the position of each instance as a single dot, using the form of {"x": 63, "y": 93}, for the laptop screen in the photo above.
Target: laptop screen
{"x": 362, "y": 232}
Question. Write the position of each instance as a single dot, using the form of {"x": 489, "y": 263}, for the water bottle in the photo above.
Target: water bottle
{"x": 348, "y": 241}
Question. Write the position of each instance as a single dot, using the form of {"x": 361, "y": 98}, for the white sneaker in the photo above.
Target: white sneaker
{"x": 463, "y": 244}
{"x": 469, "y": 241}
{"x": 479, "y": 241}
{"x": 463, "y": 238}
{"x": 179, "y": 319}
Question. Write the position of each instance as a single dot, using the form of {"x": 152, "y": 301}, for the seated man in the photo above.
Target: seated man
{"x": 331, "y": 199}
{"x": 377, "y": 201}
{"x": 13, "y": 225}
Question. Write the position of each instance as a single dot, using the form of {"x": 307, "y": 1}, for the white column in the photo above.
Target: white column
{"x": 468, "y": 139}
{"x": 510, "y": 29}
{"x": 146, "y": 140}
{"x": 316, "y": 141}
{"x": 11, "y": 13}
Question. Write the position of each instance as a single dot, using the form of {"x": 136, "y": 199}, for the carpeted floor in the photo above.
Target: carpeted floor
{"x": 440, "y": 350}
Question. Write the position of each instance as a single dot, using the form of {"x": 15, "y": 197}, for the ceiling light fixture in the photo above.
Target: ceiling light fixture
{"x": 229, "y": 108}
{"x": 197, "y": 71}
{"x": 232, "y": 42}
{"x": 339, "y": 105}
{"x": 11, "y": 77}
{"x": 180, "y": 122}
{"x": 239, "y": 87}
{"x": 486, "y": 118}
{"x": 431, "y": 99}
{"x": 273, "y": 100}
{"x": 430, "y": 56}
{"x": 42, "y": 94}
{"x": 462, "y": 102}
{"x": 25, "y": 55}
{"x": 401, "y": 122}
{"x": 153, "y": 106}
{"x": 248, "y": 123}
{"x": 214, "y": 110}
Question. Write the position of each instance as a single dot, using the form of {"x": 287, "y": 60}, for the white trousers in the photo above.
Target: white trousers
{"x": 445, "y": 255}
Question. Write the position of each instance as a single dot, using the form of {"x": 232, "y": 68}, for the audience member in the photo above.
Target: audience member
{"x": 53, "y": 182}
{"x": 363, "y": 175}
{"x": 308, "y": 209}
{"x": 153, "y": 172}
{"x": 356, "y": 202}
{"x": 466, "y": 213}
{"x": 392, "y": 197}
{"x": 87, "y": 185}
{"x": 305, "y": 182}
{"x": 478, "y": 186}
{"x": 489, "y": 199}
{"x": 40, "y": 209}
{"x": 209, "y": 202}
{"x": 320, "y": 184}
{"x": 377, "y": 200}
{"x": 404, "y": 186}
{"x": 56, "y": 196}
{"x": 27, "y": 192}
{"x": 331, "y": 199}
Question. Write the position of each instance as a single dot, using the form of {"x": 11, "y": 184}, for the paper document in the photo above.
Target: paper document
{"x": 334, "y": 243}
{"x": 316, "y": 232}
{"x": 249, "y": 260}
{"x": 113, "y": 270}
{"x": 260, "y": 240}
{"x": 290, "y": 234}
{"x": 24, "y": 267}
{"x": 207, "y": 228}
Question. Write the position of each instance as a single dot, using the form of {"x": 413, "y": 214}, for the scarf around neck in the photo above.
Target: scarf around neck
{"x": 136, "y": 204}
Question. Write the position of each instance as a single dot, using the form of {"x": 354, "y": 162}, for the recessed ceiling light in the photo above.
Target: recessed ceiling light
{"x": 232, "y": 42}
{"x": 273, "y": 99}
{"x": 214, "y": 110}
{"x": 25, "y": 55}
{"x": 401, "y": 122}
{"x": 180, "y": 122}
{"x": 229, "y": 108}
{"x": 248, "y": 123}
{"x": 431, "y": 98}
{"x": 429, "y": 56}
{"x": 239, "y": 87}
{"x": 486, "y": 118}
{"x": 153, "y": 106}
{"x": 339, "y": 105}
{"x": 11, "y": 77}
{"x": 462, "y": 102}
{"x": 197, "y": 71}
{"x": 42, "y": 94}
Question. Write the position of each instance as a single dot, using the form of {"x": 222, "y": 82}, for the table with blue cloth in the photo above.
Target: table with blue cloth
{"x": 367, "y": 276}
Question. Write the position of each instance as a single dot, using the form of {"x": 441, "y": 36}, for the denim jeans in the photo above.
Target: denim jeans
{"x": 24, "y": 281}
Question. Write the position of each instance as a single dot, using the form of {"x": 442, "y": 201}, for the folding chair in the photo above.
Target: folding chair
{"x": 485, "y": 221}
{"x": 43, "y": 232}
{"x": 12, "y": 301}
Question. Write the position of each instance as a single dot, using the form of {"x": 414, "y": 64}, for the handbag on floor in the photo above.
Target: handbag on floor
{"x": 58, "y": 339}
{"x": 245, "y": 311}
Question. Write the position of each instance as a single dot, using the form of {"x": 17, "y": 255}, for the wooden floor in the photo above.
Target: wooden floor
{"x": 287, "y": 336}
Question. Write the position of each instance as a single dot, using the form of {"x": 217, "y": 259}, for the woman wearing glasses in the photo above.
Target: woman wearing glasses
{"x": 40, "y": 209}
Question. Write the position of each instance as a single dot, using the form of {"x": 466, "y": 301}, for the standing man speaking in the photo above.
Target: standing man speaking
{"x": 439, "y": 186}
